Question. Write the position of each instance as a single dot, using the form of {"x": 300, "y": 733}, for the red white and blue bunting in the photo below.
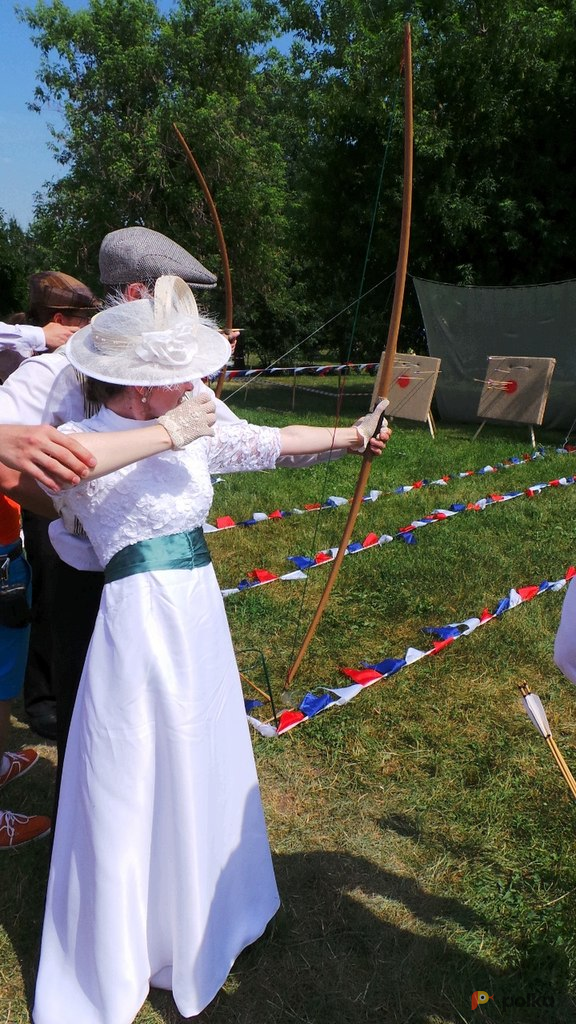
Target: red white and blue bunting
{"x": 324, "y": 697}
{"x": 227, "y": 522}
{"x": 406, "y": 534}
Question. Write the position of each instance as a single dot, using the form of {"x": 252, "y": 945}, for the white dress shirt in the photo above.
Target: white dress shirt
{"x": 17, "y": 342}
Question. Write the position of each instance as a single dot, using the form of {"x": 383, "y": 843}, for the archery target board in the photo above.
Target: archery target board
{"x": 516, "y": 389}
{"x": 412, "y": 388}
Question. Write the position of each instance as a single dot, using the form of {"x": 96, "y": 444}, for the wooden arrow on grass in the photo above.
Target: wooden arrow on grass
{"x": 537, "y": 715}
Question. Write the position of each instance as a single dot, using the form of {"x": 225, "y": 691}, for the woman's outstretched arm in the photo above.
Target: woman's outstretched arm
{"x": 112, "y": 450}
{"x": 195, "y": 417}
{"x": 371, "y": 430}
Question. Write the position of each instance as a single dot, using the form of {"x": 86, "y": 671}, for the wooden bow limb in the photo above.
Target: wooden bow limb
{"x": 229, "y": 312}
{"x": 386, "y": 366}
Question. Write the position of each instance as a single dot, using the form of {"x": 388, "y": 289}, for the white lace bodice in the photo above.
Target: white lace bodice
{"x": 163, "y": 494}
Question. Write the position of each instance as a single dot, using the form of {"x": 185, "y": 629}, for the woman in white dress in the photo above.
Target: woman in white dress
{"x": 161, "y": 870}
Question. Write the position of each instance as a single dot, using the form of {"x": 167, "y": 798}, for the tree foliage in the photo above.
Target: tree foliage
{"x": 15, "y": 266}
{"x": 124, "y": 75}
{"x": 494, "y": 90}
{"x": 293, "y": 109}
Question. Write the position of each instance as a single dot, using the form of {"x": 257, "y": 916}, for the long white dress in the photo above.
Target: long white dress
{"x": 161, "y": 870}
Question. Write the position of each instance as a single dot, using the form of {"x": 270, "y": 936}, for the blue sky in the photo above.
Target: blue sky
{"x": 26, "y": 162}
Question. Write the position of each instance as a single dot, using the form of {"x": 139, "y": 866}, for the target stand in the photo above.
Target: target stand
{"x": 412, "y": 388}
{"x": 515, "y": 391}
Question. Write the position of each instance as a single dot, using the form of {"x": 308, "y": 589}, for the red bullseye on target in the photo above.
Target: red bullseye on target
{"x": 511, "y": 386}
{"x": 403, "y": 381}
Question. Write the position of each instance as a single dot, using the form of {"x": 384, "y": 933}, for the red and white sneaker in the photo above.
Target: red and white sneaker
{"x": 18, "y": 764}
{"x": 19, "y": 829}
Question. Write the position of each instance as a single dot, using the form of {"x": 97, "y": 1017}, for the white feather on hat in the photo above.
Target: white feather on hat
{"x": 150, "y": 342}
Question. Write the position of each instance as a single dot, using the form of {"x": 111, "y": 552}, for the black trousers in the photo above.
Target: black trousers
{"x": 77, "y": 596}
{"x": 40, "y": 682}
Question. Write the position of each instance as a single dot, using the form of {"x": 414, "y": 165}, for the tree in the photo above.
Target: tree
{"x": 303, "y": 151}
{"x": 15, "y": 267}
{"x": 495, "y": 144}
{"x": 494, "y": 148}
{"x": 123, "y": 74}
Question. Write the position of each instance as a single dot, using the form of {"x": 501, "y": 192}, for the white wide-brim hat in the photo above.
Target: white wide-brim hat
{"x": 150, "y": 342}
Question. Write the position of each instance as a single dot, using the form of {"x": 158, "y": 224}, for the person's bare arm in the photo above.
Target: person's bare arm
{"x": 195, "y": 417}
{"x": 26, "y": 492}
{"x": 304, "y": 440}
{"x": 192, "y": 418}
{"x": 57, "y": 334}
{"x": 43, "y": 453}
{"x": 369, "y": 431}
{"x": 113, "y": 450}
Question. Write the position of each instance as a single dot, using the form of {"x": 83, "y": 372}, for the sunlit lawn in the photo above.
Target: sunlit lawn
{"x": 422, "y": 834}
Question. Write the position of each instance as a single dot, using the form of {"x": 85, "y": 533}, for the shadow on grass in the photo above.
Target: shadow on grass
{"x": 329, "y": 957}
{"x": 352, "y": 944}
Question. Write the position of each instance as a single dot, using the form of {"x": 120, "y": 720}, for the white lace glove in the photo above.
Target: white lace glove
{"x": 367, "y": 426}
{"x": 192, "y": 418}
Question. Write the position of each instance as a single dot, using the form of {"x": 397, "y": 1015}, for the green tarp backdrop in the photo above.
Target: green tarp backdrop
{"x": 465, "y": 325}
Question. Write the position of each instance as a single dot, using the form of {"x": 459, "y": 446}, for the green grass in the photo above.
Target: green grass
{"x": 422, "y": 835}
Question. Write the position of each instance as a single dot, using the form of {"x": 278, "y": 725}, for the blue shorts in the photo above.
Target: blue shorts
{"x": 14, "y": 642}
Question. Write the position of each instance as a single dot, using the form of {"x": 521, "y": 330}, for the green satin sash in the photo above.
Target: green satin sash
{"x": 176, "y": 551}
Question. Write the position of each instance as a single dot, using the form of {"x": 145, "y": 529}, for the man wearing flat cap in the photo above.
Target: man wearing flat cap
{"x": 131, "y": 259}
{"x": 57, "y": 306}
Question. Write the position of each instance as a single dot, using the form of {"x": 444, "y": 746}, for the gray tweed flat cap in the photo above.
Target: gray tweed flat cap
{"x": 140, "y": 254}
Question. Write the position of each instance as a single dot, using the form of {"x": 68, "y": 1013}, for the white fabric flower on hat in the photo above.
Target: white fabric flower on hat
{"x": 173, "y": 347}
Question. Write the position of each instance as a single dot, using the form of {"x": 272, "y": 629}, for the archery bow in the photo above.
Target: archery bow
{"x": 228, "y": 325}
{"x": 386, "y": 366}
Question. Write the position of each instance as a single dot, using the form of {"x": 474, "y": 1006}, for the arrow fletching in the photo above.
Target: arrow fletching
{"x": 536, "y": 714}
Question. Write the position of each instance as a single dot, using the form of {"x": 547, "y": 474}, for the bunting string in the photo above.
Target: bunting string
{"x": 406, "y": 534}
{"x": 227, "y": 522}
{"x": 325, "y": 697}
{"x": 331, "y": 370}
{"x": 333, "y": 394}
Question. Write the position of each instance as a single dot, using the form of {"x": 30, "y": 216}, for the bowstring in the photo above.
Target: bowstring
{"x": 356, "y": 305}
{"x": 254, "y": 377}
